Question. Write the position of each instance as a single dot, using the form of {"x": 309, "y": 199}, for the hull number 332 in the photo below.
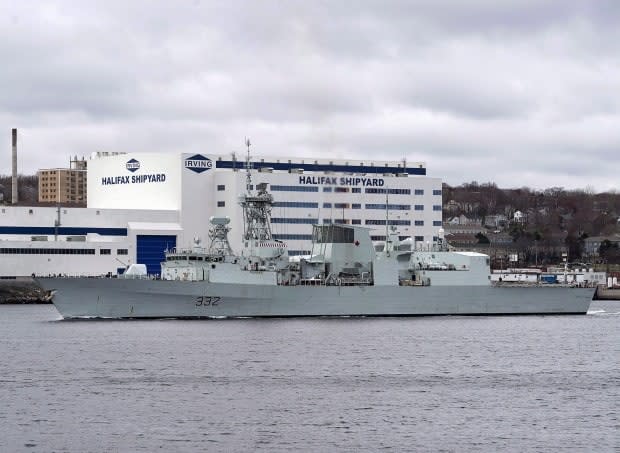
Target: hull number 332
{"x": 207, "y": 301}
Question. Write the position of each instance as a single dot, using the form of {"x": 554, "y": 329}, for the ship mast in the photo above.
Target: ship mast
{"x": 256, "y": 207}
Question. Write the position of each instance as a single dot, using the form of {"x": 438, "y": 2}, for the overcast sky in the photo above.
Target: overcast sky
{"x": 517, "y": 92}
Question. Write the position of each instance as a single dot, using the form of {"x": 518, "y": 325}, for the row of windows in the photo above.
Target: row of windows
{"x": 308, "y": 221}
{"x": 50, "y": 251}
{"x": 382, "y": 190}
{"x": 295, "y": 204}
{"x": 396, "y": 207}
{"x": 293, "y": 237}
{"x": 40, "y": 251}
{"x": 342, "y": 189}
{"x": 298, "y": 252}
{"x": 390, "y": 222}
{"x": 311, "y": 221}
{"x": 392, "y": 191}
{"x": 276, "y": 188}
{"x": 338, "y": 205}
{"x": 381, "y": 206}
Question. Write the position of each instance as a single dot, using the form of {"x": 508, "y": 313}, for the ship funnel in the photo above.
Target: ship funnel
{"x": 14, "y": 198}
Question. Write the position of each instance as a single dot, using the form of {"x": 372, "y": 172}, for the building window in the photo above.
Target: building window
{"x": 298, "y": 252}
{"x": 356, "y": 206}
{"x": 419, "y": 207}
{"x": 327, "y": 189}
{"x": 419, "y": 223}
{"x": 419, "y": 238}
{"x": 419, "y": 192}
{"x": 436, "y": 222}
{"x": 436, "y": 207}
{"x": 356, "y": 190}
{"x": 221, "y": 204}
{"x": 122, "y": 252}
{"x": 341, "y": 189}
{"x": 327, "y": 205}
{"x": 221, "y": 187}
{"x": 356, "y": 221}
{"x": 341, "y": 205}
{"x": 436, "y": 191}
{"x": 105, "y": 252}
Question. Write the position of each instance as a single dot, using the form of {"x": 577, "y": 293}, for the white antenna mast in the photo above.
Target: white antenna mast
{"x": 248, "y": 176}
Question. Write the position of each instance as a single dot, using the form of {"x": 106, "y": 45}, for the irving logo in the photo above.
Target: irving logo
{"x": 198, "y": 163}
{"x": 132, "y": 165}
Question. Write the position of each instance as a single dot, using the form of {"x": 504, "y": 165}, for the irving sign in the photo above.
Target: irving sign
{"x": 198, "y": 163}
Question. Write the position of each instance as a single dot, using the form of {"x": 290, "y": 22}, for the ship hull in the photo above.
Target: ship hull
{"x": 127, "y": 298}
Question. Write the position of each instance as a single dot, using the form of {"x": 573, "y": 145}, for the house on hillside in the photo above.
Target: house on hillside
{"x": 592, "y": 244}
{"x": 495, "y": 221}
{"x": 464, "y": 220}
{"x": 518, "y": 217}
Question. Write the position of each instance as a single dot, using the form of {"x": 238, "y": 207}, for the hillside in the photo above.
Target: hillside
{"x": 538, "y": 221}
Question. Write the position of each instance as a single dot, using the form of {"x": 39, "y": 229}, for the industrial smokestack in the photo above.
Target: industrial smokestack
{"x": 14, "y": 179}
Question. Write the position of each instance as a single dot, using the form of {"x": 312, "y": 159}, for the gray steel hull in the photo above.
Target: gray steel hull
{"x": 124, "y": 298}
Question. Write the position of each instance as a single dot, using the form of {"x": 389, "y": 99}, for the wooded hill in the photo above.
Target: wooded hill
{"x": 550, "y": 217}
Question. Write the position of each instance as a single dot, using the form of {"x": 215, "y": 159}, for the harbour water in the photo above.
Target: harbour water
{"x": 522, "y": 383}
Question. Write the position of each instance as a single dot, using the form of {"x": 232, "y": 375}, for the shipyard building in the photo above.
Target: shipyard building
{"x": 140, "y": 204}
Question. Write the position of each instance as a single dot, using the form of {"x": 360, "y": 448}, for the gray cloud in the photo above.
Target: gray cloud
{"x": 517, "y": 92}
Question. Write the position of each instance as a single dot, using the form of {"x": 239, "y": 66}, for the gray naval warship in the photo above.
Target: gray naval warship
{"x": 345, "y": 275}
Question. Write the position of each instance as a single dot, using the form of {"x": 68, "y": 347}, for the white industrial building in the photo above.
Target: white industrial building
{"x": 140, "y": 204}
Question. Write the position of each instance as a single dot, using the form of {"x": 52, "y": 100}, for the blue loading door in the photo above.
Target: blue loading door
{"x": 151, "y": 250}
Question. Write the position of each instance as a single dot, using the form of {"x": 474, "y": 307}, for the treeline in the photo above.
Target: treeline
{"x": 27, "y": 189}
{"x": 550, "y": 216}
